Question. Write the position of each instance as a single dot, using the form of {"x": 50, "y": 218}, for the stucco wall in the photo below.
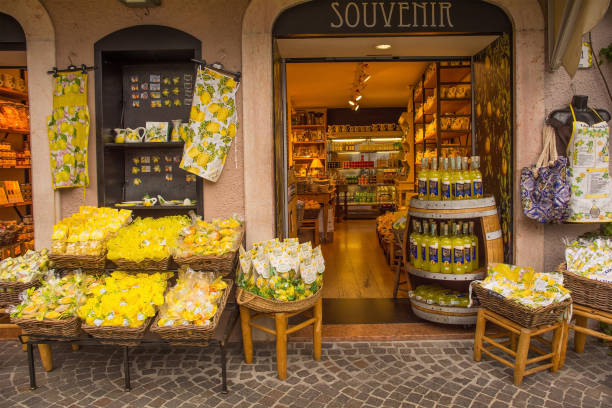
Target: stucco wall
{"x": 558, "y": 95}
{"x": 218, "y": 24}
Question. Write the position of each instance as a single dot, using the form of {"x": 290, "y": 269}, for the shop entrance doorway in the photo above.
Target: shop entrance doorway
{"x": 355, "y": 113}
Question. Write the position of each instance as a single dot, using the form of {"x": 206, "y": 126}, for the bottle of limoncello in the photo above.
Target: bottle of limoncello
{"x": 445, "y": 180}
{"x": 477, "y": 187}
{"x": 474, "y": 239}
{"x": 458, "y": 247}
{"x": 422, "y": 177}
{"x": 467, "y": 248}
{"x": 456, "y": 179}
{"x": 466, "y": 174}
{"x": 434, "y": 249}
{"x": 424, "y": 246}
{"x": 446, "y": 255}
{"x": 434, "y": 181}
{"x": 414, "y": 249}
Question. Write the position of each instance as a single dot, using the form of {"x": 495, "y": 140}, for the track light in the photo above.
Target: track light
{"x": 351, "y": 103}
{"x": 356, "y": 108}
{"x": 367, "y": 78}
{"x": 358, "y": 97}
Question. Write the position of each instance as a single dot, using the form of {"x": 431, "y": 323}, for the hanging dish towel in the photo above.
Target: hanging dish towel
{"x": 68, "y": 131}
{"x": 212, "y": 125}
{"x": 545, "y": 191}
{"x": 588, "y": 172}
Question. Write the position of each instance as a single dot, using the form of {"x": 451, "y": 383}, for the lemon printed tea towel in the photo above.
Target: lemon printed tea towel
{"x": 68, "y": 131}
{"x": 212, "y": 125}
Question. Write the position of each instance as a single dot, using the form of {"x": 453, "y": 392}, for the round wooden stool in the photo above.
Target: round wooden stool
{"x": 520, "y": 351}
{"x": 281, "y": 331}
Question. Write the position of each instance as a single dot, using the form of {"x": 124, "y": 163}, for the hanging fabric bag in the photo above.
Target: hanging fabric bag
{"x": 588, "y": 171}
{"x": 545, "y": 189}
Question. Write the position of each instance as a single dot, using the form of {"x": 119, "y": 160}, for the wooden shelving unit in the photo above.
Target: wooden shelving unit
{"x": 18, "y": 138}
{"x": 442, "y": 109}
{"x": 308, "y": 133}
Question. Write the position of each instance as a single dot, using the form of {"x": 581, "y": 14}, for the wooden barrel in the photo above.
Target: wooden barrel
{"x": 483, "y": 209}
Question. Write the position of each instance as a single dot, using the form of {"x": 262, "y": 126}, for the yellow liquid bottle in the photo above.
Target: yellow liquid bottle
{"x": 474, "y": 239}
{"x": 457, "y": 242}
{"x": 446, "y": 256}
{"x": 434, "y": 249}
{"x": 434, "y": 181}
{"x": 423, "y": 177}
{"x": 413, "y": 243}
{"x": 467, "y": 249}
{"x": 424, "y": 246}
{"x": 445, "y": 180}
{"x": 466, "y": 174}
{"x": 418, "y": 237}
{"x": 477, "y": 187}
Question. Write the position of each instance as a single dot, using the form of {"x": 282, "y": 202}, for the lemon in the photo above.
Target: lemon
{"x": 212, "y": 127}
{"x": 223, "y": 132}
{"x": 64, "y": 127}
{"x": 200, "y": 117}
{"x": 203, "y": 159}
{"x": 231, "y": 83}
{"x": 69, "y": 159}
{"x": 222, "y": 114}
{"x": 214, "y": 108}
{"x": 75, "y": 88}
{"x": 194, "y": 111}
{"x": 193, "y": 152}
{"x": 58, "y": 114}
{"x": 205, "y": 98}
{"x": 231, "y": 130}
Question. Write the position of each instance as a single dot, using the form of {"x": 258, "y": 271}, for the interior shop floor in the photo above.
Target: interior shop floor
{"x": 355, "y": 265}
{"x": 350, "y": 374}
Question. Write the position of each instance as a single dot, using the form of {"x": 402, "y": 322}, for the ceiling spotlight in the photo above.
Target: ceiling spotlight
{"x": 356, "y": 108}
{"x": 383, "y": 46}
{"x": 367, "y": 78}
{"x": 358, "y": 97}
{"x": 351, "y": 103}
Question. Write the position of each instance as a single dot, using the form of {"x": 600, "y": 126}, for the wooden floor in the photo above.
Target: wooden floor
{"x": 355, "y": 265}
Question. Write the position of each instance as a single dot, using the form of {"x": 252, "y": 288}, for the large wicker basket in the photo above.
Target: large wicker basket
{"x": 192, "y": 335}
{"x": 118, "y": 335}
{"x": 587, "y": 292}
{"x": 522, "y": 315}
{"x": 210, "y": 263}
{"x": 144, "y": 265}
{"x": 10, "y": 291}
{"x": 50, "y": 328}
{"x": 79, "y": 261}
{"x": 260, "y": 304}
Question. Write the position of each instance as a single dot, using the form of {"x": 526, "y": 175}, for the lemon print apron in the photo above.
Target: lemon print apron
{"x": 212, "y": 125}
{"x": 588, "y": 172}
{"x": 68, "y": 131}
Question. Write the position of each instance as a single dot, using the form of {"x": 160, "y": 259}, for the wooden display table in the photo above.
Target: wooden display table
{"x": 580, "y": 327}
{"x": 326, "y": 200}
{"x": 520, "y": 351}
{"x": 281, "y": 332}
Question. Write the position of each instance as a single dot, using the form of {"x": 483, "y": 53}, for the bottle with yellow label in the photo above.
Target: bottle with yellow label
{"x": 466, "y": 174}
{"x": 445, "y": 180}
{"x": 467, "y": 248}
{"x": 414, "y": 249}
{"x": 456, "y": 179}
{"x": 474, "y": 239}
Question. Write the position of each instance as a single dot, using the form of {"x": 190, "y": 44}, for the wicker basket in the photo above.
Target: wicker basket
{"x": 79, "y": 261}
{"x": 10, "y": 291}
{"x": 192, "y": 335}
{"x": 144, "y": 265}
{"x": 587, "y": 292}
{"x": 50, "y": 328}
{"x": 212, "y": 263}
{"x": 311, "y": 213}
{"x": 118, "y": 335}
{"x": 259, "y": 304}
{"x": 522, "y": 315}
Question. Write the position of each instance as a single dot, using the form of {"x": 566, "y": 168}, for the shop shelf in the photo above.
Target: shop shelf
{"x": 430, "y": 83}
{"x": 14, "y": 167}
{"x": 372, "y": 203}
{"x": 444, "y": 314}
{"x": 480, "y": 273}
{"x": 366, "y": 135}
{"x": 15, "y": 131}
{"x": 309, "y": 158}
{"x": 143, "y": 145}
{"x": 29, "y": 202}
{"x": 156, "y": 207}
{"x": 310, "y": 142}
{"x": 456, "y": 105}
{"x": 13, "y": 93}
{"x": 307, "y": 126}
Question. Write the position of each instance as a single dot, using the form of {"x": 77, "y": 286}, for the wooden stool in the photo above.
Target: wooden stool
{"x": 580, "y": 327}
{"x": 520, "y": 352}
{"x": 281, "y": 332}
{"x": 311, "y": 224}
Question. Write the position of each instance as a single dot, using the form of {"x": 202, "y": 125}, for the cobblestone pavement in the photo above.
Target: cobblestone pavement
{"x": 390, "y": 374}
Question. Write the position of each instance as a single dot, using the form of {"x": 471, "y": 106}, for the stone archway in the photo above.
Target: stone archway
{"x": 529, "y": 38}
{"x": 40, "y": 51}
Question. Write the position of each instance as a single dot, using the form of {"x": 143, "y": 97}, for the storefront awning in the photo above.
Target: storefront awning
{"x": 568, "y": 21}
